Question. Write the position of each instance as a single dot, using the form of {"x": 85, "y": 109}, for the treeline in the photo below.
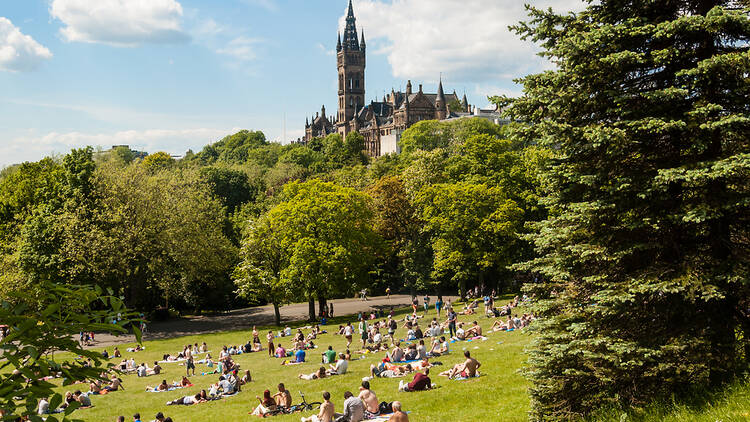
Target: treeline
{"x": 248, "y": 221}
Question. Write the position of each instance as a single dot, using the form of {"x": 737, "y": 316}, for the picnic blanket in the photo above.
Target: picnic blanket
{"x": 477, "y": 375}
{"x": 172, "y": 388}
{"x": 384, "y": 418}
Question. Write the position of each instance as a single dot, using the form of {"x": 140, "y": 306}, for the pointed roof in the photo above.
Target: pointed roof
{"x": 362, "y": 44}
{"x": 351, "y": 42}
{"x": 440, "y": 93}
{"x": 338, "y": 44}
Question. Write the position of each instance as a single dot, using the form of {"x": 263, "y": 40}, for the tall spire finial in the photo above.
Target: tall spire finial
{"x": 338, "y": 44}
{"x": 350, "y": 32}
{"x": 362, "y": 44}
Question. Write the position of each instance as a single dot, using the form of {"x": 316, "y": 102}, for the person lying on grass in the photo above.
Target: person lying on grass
{"x": 189, "y": 400}
{"x": 467, "y": 369}
{"x": 389, "y": 370}
{"x": 320, "y": 373}
{"x": 421, "y": 382}
{"x": 161, "y": 387}
{"x": 326, "y": 411}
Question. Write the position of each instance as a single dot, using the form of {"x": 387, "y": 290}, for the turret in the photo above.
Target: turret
{"x": 408, "y": 87}
{"x": 465, "y": 104}
{"x": 441, "y": 107}
{"x": 338, "y": 44}
{"x": 362, "y": 45}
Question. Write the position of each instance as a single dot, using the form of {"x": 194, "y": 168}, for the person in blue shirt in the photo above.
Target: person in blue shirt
{"x": 299, "y": 356}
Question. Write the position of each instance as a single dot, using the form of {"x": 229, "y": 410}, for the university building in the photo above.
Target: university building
{"x": 381, "y": 122}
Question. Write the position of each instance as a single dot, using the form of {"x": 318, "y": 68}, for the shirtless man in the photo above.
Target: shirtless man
{"x": 326, "y": 411}
{"x": 474, "y": 331}
{"x": 283, "y": 398}
{"x": 468, "y": 369}
{"x": 398, "y": 415}
{"x": 369, "y": 398}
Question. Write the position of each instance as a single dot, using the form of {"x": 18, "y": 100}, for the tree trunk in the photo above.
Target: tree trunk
{"x": 311, "y": 305}
{"x": 322, "y": 305}
{"x": 462, "y": 289}
{"x": 277, "y": 314}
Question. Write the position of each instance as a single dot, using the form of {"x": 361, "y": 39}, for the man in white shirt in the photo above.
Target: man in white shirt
{"x": 342, "y": 365}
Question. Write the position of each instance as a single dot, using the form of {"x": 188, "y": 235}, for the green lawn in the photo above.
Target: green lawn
{"x": 499, "y": 395}
{"x": 499, "y": 391}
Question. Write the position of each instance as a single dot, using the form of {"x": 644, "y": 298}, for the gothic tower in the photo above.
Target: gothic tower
{"x": 350, "y": 55}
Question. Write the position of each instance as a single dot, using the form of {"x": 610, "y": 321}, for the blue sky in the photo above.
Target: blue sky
{"x": 177, "y": 74}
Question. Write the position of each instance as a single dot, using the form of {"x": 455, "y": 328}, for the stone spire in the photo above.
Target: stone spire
{"x": 441, "y": 108}
{"x": 350, "y": 32}
{"x": 362, "y": 45}
{"x": 440, "y": 93}
{"x": 465, "y": 104}
{"x": 408, "y": 87}
{"x": 338, "y": 44}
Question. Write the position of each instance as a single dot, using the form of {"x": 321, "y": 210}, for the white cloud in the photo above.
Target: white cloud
{"x": 123, "y": 23}
{"x": 241, "y": 48}
{"x": 467, "y": 40}
{"x": 19, "y": 52}
{"x": 325, "y": 51}
{"x": 174, "y": 141}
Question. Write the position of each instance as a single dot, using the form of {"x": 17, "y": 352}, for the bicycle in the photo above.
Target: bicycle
{"x": 302, "y": 407}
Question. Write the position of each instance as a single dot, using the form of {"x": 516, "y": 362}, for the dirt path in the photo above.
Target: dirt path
{"x": 260, "y": 315}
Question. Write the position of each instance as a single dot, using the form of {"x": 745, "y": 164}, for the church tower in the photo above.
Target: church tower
{"x": 350, "y": 57}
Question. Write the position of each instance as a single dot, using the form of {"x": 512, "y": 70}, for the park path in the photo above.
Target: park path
{"x": 238, "y": 319}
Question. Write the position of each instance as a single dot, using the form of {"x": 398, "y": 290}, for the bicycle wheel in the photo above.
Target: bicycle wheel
{"x": 313, "y": 406}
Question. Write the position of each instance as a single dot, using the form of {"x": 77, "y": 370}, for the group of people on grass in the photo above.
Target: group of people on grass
{"x": 419, "y": 346}
{"x": 364, "y": 406}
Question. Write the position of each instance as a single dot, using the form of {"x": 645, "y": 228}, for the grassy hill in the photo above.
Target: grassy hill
{"x": 499, "y": 394}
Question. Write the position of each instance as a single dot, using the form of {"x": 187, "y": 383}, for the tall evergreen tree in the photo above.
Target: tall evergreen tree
{"x": 643, "y": 261}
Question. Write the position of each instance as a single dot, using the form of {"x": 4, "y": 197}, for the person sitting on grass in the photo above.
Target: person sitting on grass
{"x": 398, "y": 415}
{"x": 246, "y": 378}
{"x": 474, "y": 331}
{"x": 185, "y": 382}
{"x": 467, "y": 369}
{"x": 320, "y": 373}
{"x": 326, "y": 411}
{"x": 329, "y": 356}
{"x": 82, "y": 398}
{"x": 397, "y": 354}
{"x": 266, "y": 405}
{"x": 439, "y": 347}
{"x": 280, "y": 352}
{"x": 114, "y": 385}
{"x": 156, "y": 370}
{"x": 342, "y": 365}
{"x": 354, "y": 409}
{"x": 95, "y": 387}
{"x": 421, "y": 382}
{"x": 283, "y": 398}
{"x": 460, "y": 333}
{"x": 368, "y": 397}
